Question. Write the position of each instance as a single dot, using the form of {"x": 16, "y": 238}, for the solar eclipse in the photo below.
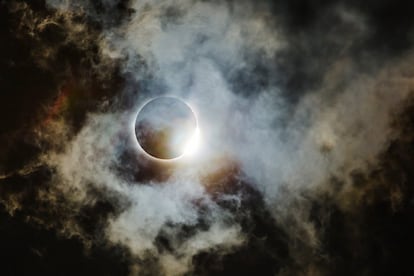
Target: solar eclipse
{"x": 166, "y": 128}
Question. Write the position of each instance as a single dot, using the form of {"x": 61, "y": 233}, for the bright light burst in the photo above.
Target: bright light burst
{"x": 192, "y": 145}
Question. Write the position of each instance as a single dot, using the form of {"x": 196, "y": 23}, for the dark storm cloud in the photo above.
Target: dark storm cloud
{"x": 300, "y": 98}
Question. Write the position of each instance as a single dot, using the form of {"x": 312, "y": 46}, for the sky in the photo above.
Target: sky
{"x": 305, "y": 113}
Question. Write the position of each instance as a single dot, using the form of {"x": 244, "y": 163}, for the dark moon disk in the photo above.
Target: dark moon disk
{"x": 164, "y": 126}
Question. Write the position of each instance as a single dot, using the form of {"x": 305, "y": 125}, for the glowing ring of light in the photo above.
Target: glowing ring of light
{"x": 190, "y": 145}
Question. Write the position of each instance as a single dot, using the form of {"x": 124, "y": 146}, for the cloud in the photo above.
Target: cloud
{"x": 282, "y": 112}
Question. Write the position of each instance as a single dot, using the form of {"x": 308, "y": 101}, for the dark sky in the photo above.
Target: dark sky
{"x": 308, "y": 104}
